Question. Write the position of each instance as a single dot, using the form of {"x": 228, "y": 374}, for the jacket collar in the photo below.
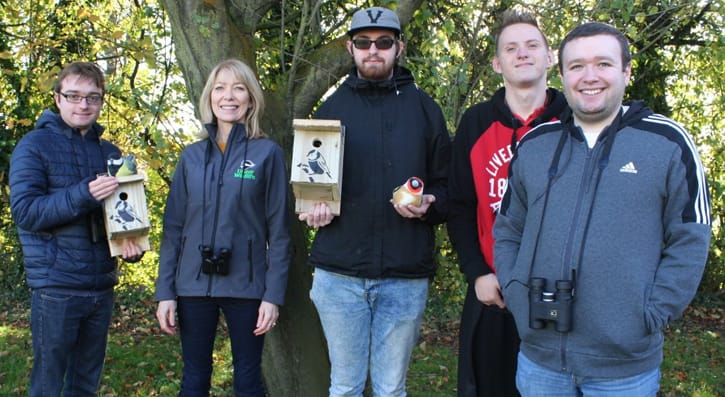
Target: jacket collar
{"x": 401, "y": 77}
{"x": 555, "y": 104}
{"x": 52, "y": 120}
{"x": 238, "y": 132}
{"x": 635, "y": 111}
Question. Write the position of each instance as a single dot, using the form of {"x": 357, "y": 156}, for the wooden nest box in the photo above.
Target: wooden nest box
{"x": 126, "y": 214}
{"x": 316, "y": 172}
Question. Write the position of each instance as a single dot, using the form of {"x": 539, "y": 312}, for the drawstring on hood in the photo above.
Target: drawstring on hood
{"x": 635, "y": 112}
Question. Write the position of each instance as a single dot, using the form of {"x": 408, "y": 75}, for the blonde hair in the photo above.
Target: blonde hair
{"x": 245, "y": 75}
{"x": 514, "y": 16}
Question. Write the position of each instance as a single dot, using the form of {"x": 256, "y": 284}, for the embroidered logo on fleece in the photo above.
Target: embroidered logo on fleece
{"x": 628, "y": 168}
{"x": 245, "y": 170}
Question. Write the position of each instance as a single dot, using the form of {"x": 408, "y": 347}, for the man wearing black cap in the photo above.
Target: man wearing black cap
{"x": 373, "y": 262}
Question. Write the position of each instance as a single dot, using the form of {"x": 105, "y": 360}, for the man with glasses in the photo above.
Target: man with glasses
{"x": 57, "y": 187}
{"x": 373, "y": 262}
{"x": 482, "y": 151}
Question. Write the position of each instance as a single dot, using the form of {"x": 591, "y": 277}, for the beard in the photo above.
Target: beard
{"x": 380, "y": 70}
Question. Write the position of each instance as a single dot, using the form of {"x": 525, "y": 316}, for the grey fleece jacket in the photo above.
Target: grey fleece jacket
{"x": 628, "y": 220}
{"x": 235, "y": 200}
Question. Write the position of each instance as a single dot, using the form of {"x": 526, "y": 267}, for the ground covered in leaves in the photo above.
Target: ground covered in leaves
{"x": 694, "y": 353}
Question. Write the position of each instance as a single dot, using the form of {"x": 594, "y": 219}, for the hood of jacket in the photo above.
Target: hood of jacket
{"x": 555, "y": 102}
{"x": 629, "y": 114}
{"x": 54, "y": 122}
{"x": 401, "y": 76}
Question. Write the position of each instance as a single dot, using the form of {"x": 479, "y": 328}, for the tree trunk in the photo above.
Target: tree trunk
{"x": 295, "y": 359}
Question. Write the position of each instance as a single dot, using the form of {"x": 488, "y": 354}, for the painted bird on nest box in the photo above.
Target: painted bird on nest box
{"x": 123, "y": 166}
{"x": 315, "y": 165}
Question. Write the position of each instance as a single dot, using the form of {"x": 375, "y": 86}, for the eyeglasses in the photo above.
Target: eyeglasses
{"x": 90, "y": 99}
{"x": 381, "y": 43}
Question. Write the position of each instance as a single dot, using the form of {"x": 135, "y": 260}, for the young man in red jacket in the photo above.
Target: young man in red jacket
{"x": 482, "y": 149}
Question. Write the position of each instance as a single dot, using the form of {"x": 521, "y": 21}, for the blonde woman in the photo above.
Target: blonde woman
{"x": 226, "y": 244}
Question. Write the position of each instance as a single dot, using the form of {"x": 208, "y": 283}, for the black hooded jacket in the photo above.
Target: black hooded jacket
{"x": 393, "y": 130}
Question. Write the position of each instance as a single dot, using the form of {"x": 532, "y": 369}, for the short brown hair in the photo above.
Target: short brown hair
{"x": 595, "y": 29}
{"x": 86, "y": 70}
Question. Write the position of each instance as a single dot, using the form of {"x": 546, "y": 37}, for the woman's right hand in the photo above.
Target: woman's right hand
{"x": 166, "y": 314}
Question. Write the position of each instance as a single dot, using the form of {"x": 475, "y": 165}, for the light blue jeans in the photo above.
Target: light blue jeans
{"x": 370, "y": 325}
{"x": 534, "y": 380}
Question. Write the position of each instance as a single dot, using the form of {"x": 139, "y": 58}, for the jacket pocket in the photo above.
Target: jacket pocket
{"x": 516, "y": 298}
{"x": 181, "y": 257}
{"x": 51, "y": 248}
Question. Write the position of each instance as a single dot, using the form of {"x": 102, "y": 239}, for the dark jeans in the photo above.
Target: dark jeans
{"x": 69, "y": 341}
{"x": 198, "y": 318}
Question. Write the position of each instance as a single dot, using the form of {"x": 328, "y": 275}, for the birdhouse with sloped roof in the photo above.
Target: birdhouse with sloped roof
{"x": 316, "y": 172}
{"x": 126, "y": 214}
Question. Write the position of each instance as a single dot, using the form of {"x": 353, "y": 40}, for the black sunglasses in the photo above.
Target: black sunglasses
{"x": 381, "y": 43}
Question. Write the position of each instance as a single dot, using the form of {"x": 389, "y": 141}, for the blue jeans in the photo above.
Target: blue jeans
{"x": 70, "y": 332}
{"x": 534, "y": 380}
{"x": 370, "y": 325}
{"x": 198, "y": 319}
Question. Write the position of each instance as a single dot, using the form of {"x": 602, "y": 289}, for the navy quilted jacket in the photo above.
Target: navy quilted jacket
{"x": 55, "y": 213}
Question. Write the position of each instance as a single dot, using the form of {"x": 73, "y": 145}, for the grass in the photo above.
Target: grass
{"x": 142, "y": 362}
{"x": 695, "y": 353}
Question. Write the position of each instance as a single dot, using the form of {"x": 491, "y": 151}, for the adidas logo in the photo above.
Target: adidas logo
{"x": 628, "y": 168}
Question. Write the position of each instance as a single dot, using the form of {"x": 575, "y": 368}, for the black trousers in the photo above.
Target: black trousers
{"x": 495, "y": 351}
{"x": 489, "y": 350}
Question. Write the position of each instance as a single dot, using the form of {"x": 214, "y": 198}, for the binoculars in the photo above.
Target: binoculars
{"x": 215, "y": 264}
{"x": 547, "y": 306}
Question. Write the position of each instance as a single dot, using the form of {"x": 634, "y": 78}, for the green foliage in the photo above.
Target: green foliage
{"x": 448, "y": 287}
{"x": 12, "y": 275}
{"x": 450, "y": 47}
{"x": 145, "y": 106}
{"x": 433, "y": 367}
{"x": 695, "y": 375}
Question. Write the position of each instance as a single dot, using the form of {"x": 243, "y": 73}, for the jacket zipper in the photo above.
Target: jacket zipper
{"x": 220, "y": 183}
{"x": 584, "y": 188}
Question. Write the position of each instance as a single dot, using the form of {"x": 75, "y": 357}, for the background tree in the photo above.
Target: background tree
{"x": 157, "y": 60}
